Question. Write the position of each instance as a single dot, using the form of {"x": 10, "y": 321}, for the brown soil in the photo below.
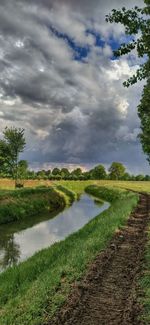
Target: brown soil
{"x": 108, "y": 293}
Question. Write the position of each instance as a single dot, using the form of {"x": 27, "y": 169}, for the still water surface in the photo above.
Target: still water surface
{"x": 20, "y": 240}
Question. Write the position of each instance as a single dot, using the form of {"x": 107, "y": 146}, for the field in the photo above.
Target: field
{"x": 139, "y": 186}
{"x": 51, "y": 272}
{"x": 33, "y": 291}
{"x": 10, "y": 184}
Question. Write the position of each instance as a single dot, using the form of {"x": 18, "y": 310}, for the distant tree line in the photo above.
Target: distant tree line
{"x": 13, "y": 143}
{"x": 117, "y": 171}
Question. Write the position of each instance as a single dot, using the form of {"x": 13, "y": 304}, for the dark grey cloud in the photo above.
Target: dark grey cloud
{"x": 74, "y": 112}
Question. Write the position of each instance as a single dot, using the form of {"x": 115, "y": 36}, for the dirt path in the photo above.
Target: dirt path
{"x": 108, "y": 294}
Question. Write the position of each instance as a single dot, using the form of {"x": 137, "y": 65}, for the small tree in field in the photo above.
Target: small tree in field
{"x": 11, "y": 146}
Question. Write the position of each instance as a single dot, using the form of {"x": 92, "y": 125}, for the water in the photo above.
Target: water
{"x": 19, "y": 241}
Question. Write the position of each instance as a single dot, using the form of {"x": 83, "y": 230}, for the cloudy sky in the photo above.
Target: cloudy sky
{"x": 60, "y": 81}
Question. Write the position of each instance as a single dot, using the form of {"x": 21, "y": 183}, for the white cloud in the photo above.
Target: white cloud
{"x": 71, "y": 110}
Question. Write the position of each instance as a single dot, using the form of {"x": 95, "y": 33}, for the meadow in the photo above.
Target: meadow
{"x": 31, "y": 292}
{"x": 78, "y": 186}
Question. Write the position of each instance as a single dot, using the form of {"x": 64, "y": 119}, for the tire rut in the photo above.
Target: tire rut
{"x": 108, "y": 293}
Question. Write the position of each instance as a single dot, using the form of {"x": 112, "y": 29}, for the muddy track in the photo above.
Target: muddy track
{"x": 108, "y": 293}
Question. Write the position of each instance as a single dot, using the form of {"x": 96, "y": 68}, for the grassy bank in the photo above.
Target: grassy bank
{"x": 68, "y": 192}
{"x": 108, "y": 194}
{"x": 24, "y": 203}
{"x": 145, "y": 285}
{"x": 31, "y": 292}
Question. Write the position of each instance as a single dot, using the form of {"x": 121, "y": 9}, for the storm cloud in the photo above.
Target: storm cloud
{"x": 59, "y": 81}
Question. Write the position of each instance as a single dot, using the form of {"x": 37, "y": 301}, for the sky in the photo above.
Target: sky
{"x": 60, "y": 82}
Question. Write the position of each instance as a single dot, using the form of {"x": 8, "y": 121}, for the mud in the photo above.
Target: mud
{"x": 108, "y": 295}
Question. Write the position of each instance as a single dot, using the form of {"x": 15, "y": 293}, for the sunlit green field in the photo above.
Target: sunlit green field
{"x": 78, "y": 186}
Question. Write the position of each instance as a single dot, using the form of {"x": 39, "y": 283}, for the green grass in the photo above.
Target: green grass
{"x": 31, "y": 292}
{"x": 107, "y": 193}
{"x": 24, "y": 203}
{"x": 79, "y": 186}
{"x": 145, "y": 285}
{"x": 76, "y": 186}
{"x": 68, "y": 192}
{"x": 139, "y": 186}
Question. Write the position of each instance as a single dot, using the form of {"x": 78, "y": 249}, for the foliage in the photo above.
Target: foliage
{"x": 117, "y": 170}
{"x": 137, "y": 27}
{"x": 11, "y": 146}
{"x": 32, "y": 291}
{"x": 56, "y": 171}
{"x": 4, "y": 159}
{"x": 22, "y": 169}
{"x": 77, "y": 171}
{"x": 144, "y": 114}
{"x": 65, "y": 173}
{"x": 98, "y": 172}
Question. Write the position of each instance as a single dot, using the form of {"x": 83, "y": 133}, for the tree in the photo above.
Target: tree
{"x": 139, "y": 177}
{"x": 4, "y": 160}
{"x": 41, "y": 174}
{"x": 144, "y": 115}
{"x": 48, "y": 173}
{"x": 116, "y": 170}
{"x": 147, "y": 178}
{"x": 137, "y": 27}
{"x": 99, "y": 172}
{"x": 65, "y": 173}
{"x": 77, "y": 172}
{"x": 11, "y": 146}
{"x": 87, "y": 175}
{"x": 31, "y": 174}
{"x": 56, "y": 171}
{"x": 126, "y": 177}
{"x": 22, "y": 169}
